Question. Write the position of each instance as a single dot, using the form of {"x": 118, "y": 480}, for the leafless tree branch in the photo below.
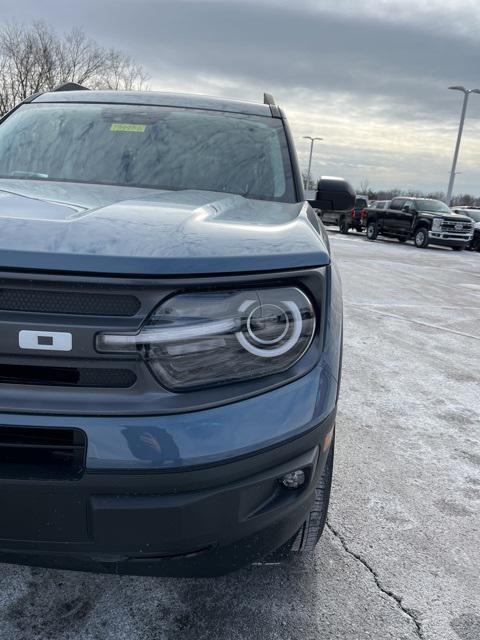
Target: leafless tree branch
{"x": 35, "y": 58}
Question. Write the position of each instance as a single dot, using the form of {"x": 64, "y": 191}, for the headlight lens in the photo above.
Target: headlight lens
{"x": 210, "y": 338}
{"x": 437, "y": 224}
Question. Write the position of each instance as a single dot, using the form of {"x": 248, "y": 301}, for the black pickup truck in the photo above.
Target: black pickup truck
{"x": 423, "y": 220}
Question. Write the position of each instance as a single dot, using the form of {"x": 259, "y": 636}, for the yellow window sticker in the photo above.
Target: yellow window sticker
{"x": 138, "y": 128}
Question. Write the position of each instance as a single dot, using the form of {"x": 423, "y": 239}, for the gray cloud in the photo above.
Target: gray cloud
{"x": 354, "y": 59}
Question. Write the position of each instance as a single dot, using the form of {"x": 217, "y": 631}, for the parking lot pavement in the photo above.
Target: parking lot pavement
{"x": 401, "y": 556}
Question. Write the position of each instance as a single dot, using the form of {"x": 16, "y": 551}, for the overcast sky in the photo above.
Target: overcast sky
{"x": 369, "y": 76}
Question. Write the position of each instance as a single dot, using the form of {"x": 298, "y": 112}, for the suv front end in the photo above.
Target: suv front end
{"x": 184, "y": 482}
{"x": 169, "y": 356}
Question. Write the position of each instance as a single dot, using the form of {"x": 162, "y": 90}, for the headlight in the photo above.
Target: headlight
{"x": 437, "y": 224}
{"x": 211, "y": 338}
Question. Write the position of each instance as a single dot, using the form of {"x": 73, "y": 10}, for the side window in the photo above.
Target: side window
{"x": 397, "y": 204}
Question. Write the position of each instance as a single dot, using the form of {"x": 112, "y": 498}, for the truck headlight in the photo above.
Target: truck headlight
{"x": 437, "y": 224}
{"x": 211, "y": 338}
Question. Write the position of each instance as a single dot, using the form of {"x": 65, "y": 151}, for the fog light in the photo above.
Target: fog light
{"x": 293, "y": 479}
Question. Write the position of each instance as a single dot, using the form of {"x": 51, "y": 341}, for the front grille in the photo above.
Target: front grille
{"x": 67, "y": 376}
{"x": 68, "y": 302}
{"x": 79, "y": 380}
{"x": 42, "y": 453}
{"x": 451, "y": 226}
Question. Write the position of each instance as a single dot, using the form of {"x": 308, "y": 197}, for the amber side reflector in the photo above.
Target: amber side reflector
{"x": 327, "y": 441}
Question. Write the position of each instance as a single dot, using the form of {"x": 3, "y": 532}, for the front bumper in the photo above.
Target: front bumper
{"x": 449, "y": 239}
{"x": 206, "y": 521}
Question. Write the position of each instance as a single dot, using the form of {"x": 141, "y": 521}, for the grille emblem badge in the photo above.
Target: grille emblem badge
{"x": 45, "y": 340}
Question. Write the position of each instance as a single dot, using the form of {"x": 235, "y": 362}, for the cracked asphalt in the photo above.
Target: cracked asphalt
{"x": 400, "y": 558}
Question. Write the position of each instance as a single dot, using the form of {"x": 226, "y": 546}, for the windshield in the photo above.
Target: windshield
{"x": 432, "y": 205}
{"x": 144, "y": 146}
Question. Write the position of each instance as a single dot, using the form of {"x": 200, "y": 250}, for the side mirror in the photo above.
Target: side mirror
{"x": 332, "y": 194}
{"x": 406, "y": 208}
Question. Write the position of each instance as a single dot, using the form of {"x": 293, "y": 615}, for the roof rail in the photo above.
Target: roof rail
{"x": 70, "y": 86}
{"x": 268, "y": 99}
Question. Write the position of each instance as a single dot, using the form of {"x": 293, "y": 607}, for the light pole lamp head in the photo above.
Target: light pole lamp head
{"x": 464, "y": 90}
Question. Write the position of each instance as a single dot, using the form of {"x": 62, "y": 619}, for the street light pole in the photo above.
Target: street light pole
{"x": 312, "y": 140}
{"x": 466, "y": 93}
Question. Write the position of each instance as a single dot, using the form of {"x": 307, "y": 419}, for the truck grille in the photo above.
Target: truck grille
{"x": 67, "y": 302}
{"x": 42, "y": 453}
{"x": 452, "y": 226}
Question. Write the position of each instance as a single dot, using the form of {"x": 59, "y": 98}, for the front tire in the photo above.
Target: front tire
{"x": 305, "y": 540}
{"x": 312, "y": 529}
{"x": 421, "y": 238}
{"x": 372, "y": 231}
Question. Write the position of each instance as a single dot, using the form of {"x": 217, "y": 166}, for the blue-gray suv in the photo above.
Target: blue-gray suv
{"x": 170, "y": 335}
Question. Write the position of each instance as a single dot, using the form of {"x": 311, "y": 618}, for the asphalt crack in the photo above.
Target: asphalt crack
{"x": 390, "y": 594}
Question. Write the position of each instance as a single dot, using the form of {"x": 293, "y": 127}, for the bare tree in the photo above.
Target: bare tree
{"x": 465, "y": 199}
{"x": 35, "y": 58}
{"x": 364, "y": 185}
{"x": 122, "y": 73}
{"x": 80, "y": 58}
{"x": 309, "y": 182}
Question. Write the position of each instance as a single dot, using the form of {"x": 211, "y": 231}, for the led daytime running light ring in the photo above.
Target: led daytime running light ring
{"x": 279, "y": 351}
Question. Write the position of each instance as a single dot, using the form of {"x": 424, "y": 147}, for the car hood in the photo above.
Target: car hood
{"x": 123, "y": 230}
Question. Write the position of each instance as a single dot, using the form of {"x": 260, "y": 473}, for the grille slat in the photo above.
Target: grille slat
{"x": 67, "y": 376}
{"x": 42, "y": 453}
{"x": 68, "y": 302}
